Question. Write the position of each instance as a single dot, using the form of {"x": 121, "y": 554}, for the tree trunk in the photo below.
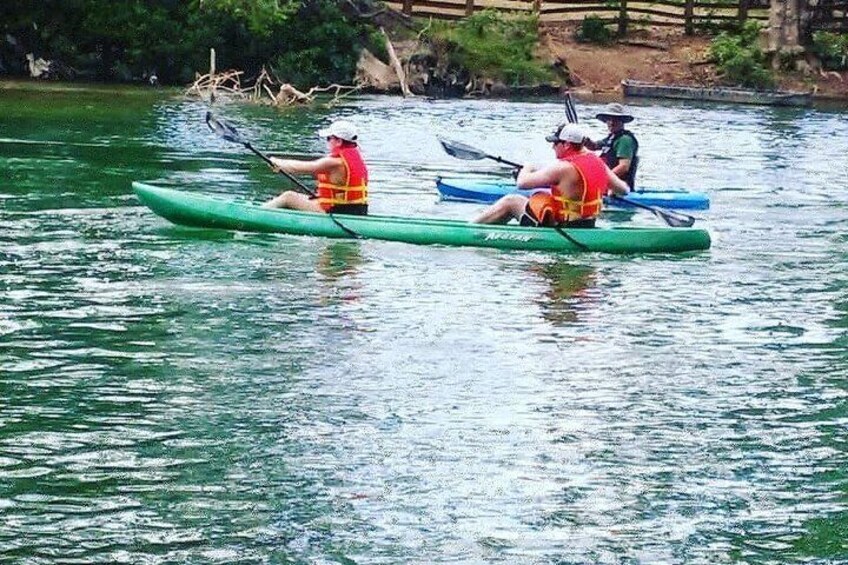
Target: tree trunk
{"x": 784, "y": 24}
{"x": 784, "y": 30}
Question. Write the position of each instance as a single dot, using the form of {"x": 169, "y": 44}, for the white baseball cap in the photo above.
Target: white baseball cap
{"x": 341, "y": 129}
{"x": 571, "y": 133}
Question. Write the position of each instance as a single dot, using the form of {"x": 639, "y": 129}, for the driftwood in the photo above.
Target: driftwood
{"x": 396, "y": 65}
{"x": 371, "y": 72}
{"x": 644, "y": 43}
{"x": 211, "y": 85}
{"x": 264, "y": 89}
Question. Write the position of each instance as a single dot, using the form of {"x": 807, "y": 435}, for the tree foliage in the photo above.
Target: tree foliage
{"x": 739, "y": 59}
{"x": 128, "y": 39}
{"x": 260, "y": 16}
{"x": 832, "y": 49}
{"x": 493, "y": 45}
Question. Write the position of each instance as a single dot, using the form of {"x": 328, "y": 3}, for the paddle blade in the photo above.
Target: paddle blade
{"x": 461, "y": 150}
{"x": 673, "y": 219}
{"x": 676, "y": 221}
{"x": 570, "y": 111}
{"x": 223, "y": 129}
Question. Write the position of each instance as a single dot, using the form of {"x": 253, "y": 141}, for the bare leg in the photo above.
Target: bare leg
{"x": 294, "y": 201}
{"x": 502, "y": 211}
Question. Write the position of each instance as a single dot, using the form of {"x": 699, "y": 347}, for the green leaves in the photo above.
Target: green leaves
{"x": 493, "y": 45}
{"x": 739, "y": 59}
{"x": 594, "y": 30}
{"x": 832, "y": 49}
{"x": 307, "y": 41}
{"x": 259, "y": 16}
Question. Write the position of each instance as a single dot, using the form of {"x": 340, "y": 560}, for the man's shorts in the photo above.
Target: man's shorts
{"x": 528, "y": 219}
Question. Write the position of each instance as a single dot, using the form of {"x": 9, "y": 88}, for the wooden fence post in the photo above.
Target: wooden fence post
{"x": 537, "y": 7}
{"x": 688, "y": 12}
{"x": 743, "y": 10}
{"x": 407, "y": 7}
{"x": 469, "y": 7}
{"x": 622, "y": 18}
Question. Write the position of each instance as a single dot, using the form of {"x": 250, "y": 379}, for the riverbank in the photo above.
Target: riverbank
{"x": 660, "y": 56}
{"x": 655, "y": 55}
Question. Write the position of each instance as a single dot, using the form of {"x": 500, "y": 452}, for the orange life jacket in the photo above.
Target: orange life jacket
{"x": 593, "y": 173}
{"x": 556, "y": 208}
{"x": 354, "y": 189}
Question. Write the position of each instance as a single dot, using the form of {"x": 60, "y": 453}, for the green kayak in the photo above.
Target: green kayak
{"x": 197, "y": 210}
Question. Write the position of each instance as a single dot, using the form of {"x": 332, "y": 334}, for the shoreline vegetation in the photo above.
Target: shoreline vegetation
{"x": 363, "y": 46}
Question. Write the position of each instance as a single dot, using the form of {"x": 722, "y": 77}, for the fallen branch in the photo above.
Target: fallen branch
{"x": 396, "y": 65}
{"x": 644, "y": 43}
{"x": 229, "y": 84}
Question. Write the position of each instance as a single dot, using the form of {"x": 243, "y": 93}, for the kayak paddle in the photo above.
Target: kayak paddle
{"x": 673, "y": 219}
{"x": 227, "y": 132}
{"x": 468, "y": 153}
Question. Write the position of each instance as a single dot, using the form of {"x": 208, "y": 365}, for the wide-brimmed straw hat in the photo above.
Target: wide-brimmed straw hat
{"x": 614, "y": 111}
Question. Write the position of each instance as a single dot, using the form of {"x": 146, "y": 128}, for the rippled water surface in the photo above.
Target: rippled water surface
{"x": 177, "y": 395}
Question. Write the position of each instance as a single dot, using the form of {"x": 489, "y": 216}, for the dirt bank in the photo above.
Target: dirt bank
{"x": 661, "y": 56}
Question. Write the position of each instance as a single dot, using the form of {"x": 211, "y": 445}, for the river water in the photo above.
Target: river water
{"x": 178, "y": 395}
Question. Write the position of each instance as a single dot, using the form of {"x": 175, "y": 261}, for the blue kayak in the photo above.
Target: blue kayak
{"x": 487, "y": 190}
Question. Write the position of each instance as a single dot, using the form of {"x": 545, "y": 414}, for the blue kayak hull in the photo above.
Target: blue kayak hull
{"x": 487, "y": 190}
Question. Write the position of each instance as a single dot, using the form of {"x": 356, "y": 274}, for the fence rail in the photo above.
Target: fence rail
{"x": 688, "y": 14}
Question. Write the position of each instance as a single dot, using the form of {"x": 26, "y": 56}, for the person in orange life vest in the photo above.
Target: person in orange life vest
{"x": 619, "y": 149}
{"x": 342, "y": 176}
{"x": 578, "y": 181}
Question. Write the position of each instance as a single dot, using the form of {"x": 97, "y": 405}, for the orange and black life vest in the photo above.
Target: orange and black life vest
{"x": 556, "y": 208}
{"x": 354, "y": 189}
{"x": 593, "y": 173}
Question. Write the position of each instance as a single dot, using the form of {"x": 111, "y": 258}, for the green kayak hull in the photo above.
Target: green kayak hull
{"x": 202, "y": 211}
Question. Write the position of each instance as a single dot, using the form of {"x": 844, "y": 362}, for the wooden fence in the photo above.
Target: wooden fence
{"x": 689, "y": 14}
{"x": 826, "y": 15}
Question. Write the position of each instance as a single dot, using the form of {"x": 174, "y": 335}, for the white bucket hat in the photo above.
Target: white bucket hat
{"x": 571, "y": 133}
{"x": 341, "y": 129}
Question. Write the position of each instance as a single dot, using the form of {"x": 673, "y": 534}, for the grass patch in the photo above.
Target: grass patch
{"x": 493, "y": 45}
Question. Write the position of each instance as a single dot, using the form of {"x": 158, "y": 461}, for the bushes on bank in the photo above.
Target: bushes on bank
{"x": 832, "y": 49}
{"x": 594, "y": 30}
{"x": 492, "y": 45}
{"x": 739, "y": 59}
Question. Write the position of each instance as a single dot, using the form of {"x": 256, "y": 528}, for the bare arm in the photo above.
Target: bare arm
{"x": 618, "y": 186}
{"x": 322, "y": 165}
{"x": 622, "y": 168}
{"x": 529, "y": 177}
